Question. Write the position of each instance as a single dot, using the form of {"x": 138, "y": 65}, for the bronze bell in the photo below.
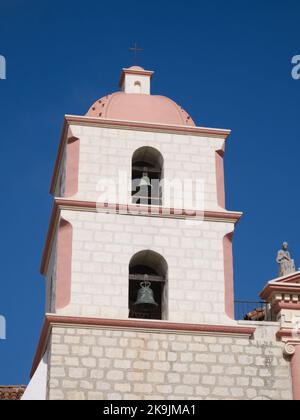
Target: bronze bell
{"x": 145, "y": 298}
{"x": 145, "y": 180}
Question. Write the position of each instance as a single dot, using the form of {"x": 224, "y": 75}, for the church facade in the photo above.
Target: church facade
{"x": 139, "y": 267}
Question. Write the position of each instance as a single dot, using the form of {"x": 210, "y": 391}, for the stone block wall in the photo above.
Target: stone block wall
{"x": 111, "y": 364}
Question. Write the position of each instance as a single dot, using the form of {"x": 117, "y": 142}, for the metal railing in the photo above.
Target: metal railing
{"x": 253, "y": 311}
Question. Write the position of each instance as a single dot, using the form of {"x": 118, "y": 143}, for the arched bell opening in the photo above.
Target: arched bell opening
{"x": 147, "y": 176}
{"x": 148, "y": 291}
{"x": 137, "y": 87}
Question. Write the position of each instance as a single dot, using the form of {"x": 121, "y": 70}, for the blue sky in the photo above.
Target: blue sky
{"x": 227, "y": 63}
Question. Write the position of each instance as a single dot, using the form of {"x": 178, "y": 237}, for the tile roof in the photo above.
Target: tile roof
{"x": 12, "y": 392}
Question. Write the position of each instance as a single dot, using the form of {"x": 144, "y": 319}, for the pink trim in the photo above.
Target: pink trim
{"x": 278, "y": 306}
{"x": 228, "y": 271}
{"x": 132, "y": 324}
{"x": 220, "y": 178}
{"x": 72, "y": 166}
{"x": 64, "y": 264}
{"x": 295, "y": 367}
{"x": 272, "y": 288}
{"x": 287, "y": 333}
{"x": 159, "y": 325}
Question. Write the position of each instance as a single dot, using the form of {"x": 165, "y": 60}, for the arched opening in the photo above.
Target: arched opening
{"x": 147, "y": 176}
{"x": 148, "y": 267}
{"x": 137, "y": 87}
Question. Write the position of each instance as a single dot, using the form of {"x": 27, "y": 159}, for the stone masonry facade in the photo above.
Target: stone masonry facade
{"x": 112, "y": 364}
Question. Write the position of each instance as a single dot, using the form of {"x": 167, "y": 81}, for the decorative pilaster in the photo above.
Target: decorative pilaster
{"x": 292, "y": 350}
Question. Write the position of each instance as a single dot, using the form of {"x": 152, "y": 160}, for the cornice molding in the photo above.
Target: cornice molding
{"x": 284, "y": 333}
{"x": 152, "y": 211}
{"x": 273, "y": 288}
{"x": 144, "y": 126}
{"x": 291, "y": 306}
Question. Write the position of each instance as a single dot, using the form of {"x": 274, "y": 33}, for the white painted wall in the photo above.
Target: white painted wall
{"x": 132, "y": 79}
{"x": 37, "y": 387}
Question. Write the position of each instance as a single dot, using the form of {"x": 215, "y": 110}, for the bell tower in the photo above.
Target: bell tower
{"x": 139, "y": 191}
{"x": 138, "y": 258}
{"x": 138, "y": 197}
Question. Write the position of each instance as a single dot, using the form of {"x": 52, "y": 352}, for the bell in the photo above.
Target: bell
{"x": 145, "y": 298}
{"x": 145, "y": 180}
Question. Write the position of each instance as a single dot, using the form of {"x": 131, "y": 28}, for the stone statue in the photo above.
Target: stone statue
{"x": 286, "y": 264}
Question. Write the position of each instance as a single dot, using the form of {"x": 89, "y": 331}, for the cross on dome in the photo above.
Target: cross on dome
{"x": 135, "y": 49}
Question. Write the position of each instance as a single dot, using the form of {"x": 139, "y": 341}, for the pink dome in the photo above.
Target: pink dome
{"x": 140, "y": 108}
